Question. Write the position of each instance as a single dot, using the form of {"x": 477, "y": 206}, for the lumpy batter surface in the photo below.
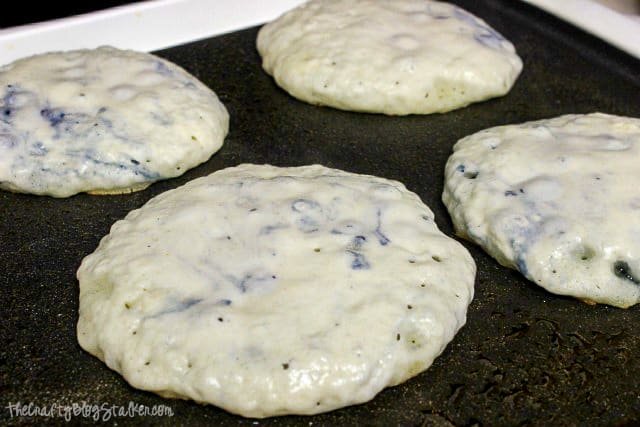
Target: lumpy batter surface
{"x": 102, "y": 121}
{"x": 556, "y": 199}
{"x": 269, "y": 291}
{"x": 393, "y": 57}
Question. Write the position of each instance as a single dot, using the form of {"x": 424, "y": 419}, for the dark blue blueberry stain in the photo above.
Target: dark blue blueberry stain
{"x": 525, "y": 233}
{"x": 102, "y": 110}
{"x": 65, "y": 122}
{"x": 522, "y": 264}
{"x": 249, "y": 281}
{"x": 359, "y": 261}
{"x": 178, "y": 307}
{"x": 10, "y": 96}
{"x": 107, "y": 124}
{"x": 242, "y": 284}
{"x": 357, "y": 242}
{"x": 135, "y": 162}
{"x": 8, "y": 101}
{"x": 54, "y": 115}
{"x": 465, "y": 16}
{"x": 184, "y": 305}
{"x": 271, "y": 228}
{"x": 467, "y": 174}
{"x": 161, "y": 68}
{"x": 484, "y": 35}
{"x": 382, "y": 239}
{"x": 621, "y": 269}
{"x": 225, "y": 302}
{"x": 510, "y": 193}
{"x": 38, "y": 150}
{"x": 138, "y": 169}
{"x": 489, "y": 38}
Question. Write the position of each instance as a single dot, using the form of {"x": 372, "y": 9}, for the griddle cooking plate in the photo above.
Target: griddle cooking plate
{"x": 524, "y": 356}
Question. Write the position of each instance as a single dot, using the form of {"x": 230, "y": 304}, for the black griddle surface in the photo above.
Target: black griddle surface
{"x": 524, "y": 357}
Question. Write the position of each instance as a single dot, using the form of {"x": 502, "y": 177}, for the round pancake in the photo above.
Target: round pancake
{"x": 270, "y": 291}
{"x": 557, "y": 200}
{"x": 102, "y": 121}
{"x": 393, "y": 57}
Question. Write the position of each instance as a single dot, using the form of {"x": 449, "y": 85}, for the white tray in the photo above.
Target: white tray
{"x": 600, "y": 18}
{"x": 145, "y": 26}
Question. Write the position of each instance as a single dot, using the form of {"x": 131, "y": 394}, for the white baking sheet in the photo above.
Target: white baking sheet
{"x": 144, "y": 26}
{"x": 158, "y": 24}
{"x": 616, "y": 22}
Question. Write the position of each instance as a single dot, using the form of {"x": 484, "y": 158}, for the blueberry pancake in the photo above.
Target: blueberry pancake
{"x": 556, "y": 199}
{"x": 393, "y": 57}
{"x": 270, "y": 291}
{"x": 102, "y": 121}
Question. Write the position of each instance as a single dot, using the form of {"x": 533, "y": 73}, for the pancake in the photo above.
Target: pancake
{"x": 103, "y": 121}
{"x": 270, "y": 291}
{"x": 393, "y": 57}
{"x": 557, "y": 200}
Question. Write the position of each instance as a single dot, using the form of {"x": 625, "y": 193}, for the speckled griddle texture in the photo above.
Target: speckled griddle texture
{"x": 525, "y": 357}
